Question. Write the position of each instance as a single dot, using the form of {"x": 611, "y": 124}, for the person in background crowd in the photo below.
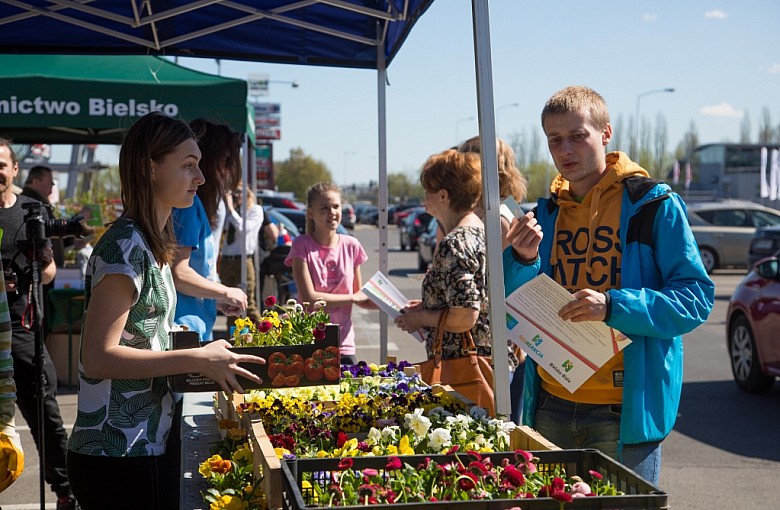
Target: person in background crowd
{"x": 199, "y": 294}
{"x": 621, "y": 244}
{"x": 38, "y": 185}
{"x": 326, "y": 265}
{"x": 84, "y": 250}
{"x": 23, "y": 339}
{"x": 511, "y": 183}
{"x": 241, "y": 239}
{"x": 11, "y": 453}
{"x": 124, "y": 451}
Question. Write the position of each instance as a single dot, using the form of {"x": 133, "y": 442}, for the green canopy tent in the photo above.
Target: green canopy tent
{"x": 75, "y": 99}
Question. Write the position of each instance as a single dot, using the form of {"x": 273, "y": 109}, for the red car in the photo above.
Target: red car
{"x": 753, "y": 328}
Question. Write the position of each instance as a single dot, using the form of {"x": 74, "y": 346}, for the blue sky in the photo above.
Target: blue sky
{"x": 722, "y": 57}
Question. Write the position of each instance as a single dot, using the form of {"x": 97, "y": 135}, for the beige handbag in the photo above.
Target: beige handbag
{"x": 470, "y": 375}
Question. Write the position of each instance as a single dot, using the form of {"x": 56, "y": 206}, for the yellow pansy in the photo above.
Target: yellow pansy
{"x": 205, "y": 466}
{"x": 281, "y": 452}
{"x": 228, "y": 502}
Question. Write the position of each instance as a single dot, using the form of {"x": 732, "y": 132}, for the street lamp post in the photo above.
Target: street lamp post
{"x": 635, "y": 149}
{"x": 457, "y": 127}
{"x": 498, "y": 115}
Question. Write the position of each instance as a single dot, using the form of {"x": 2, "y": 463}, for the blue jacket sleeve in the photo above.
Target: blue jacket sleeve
{"x": 675, "y": 294}
{"x": 517, "y": 273}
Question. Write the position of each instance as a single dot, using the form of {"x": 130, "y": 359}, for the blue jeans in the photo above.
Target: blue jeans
{"x": 516, "y": 381}
{"x": 571, "y": 425}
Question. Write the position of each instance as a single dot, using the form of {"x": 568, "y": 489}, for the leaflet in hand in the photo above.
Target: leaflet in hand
{"x": 571, "y": 352}
{"x": 387, "y": 297}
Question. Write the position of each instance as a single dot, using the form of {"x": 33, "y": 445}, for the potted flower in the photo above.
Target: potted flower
{"x": 300, "y": 346}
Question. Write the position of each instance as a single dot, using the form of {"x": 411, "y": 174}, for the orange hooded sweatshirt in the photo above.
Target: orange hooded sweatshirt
{"x": 587, "y": 255}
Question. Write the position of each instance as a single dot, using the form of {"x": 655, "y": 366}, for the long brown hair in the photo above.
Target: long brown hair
{"x": 151, "y": 138}
{"x": 217, "y": 142}
{"x": 511, "y": 182}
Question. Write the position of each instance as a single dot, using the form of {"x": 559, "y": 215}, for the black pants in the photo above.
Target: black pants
{"x": 149, "y": 483}
{"x": 54, "y": 436}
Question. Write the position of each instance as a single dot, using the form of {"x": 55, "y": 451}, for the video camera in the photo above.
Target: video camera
{"x": 39, "y": 229}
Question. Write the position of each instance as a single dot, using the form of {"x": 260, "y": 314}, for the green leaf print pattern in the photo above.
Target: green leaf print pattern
{"x": 131, "y": 417}
{"x": 86, "y": 441}
{"x": 114, "y": 441}
{"x": 94, "y": 418}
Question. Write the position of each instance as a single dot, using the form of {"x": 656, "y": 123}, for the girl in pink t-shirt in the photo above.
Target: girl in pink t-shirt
{"x": 326, "y": 265}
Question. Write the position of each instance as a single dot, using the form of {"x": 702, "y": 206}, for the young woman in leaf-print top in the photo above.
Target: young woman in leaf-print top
{"x": 124, "y": 448}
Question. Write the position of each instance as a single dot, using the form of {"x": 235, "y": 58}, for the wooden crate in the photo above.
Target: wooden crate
{"x": 226, "y": 406}
{"x": 268, "y": 467}
{"x": 526, "y": 438}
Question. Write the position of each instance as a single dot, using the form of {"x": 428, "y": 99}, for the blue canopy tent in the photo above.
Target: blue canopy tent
{"x": 364, "y": 34}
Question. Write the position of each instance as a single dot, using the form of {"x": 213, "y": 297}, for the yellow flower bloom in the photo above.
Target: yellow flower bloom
{"x": 243, "y": 454}
{"x": 404, "y": 448}
{"x": 281, "y": 452}
{"x": 228, "y": 502}
{"x": 236, "y": 434}
{"x": 205, "y": 466}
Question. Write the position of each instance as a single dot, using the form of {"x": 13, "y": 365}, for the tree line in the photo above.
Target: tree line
{"x": 652, "y": 151}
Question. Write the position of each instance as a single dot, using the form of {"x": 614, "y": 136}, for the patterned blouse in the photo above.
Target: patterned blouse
{"x": 457, "y": 278}
{"x": 128, "y": 417}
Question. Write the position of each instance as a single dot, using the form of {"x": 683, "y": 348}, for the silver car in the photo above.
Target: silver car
{"x": 723, "y": 230}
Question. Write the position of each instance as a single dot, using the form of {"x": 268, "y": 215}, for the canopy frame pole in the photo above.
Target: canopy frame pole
{"x": 244, "y": 209}
{"x": 490, "y": 193}
{"x": 381, "y": 84}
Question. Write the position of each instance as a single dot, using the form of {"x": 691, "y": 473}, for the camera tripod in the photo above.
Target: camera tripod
{"x": 33, "y": 321}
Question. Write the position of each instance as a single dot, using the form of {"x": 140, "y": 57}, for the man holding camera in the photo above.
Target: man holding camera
{"x": 18, "y": 281}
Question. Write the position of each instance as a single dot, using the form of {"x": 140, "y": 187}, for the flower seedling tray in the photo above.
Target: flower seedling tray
{"x": 268, "y": 467}
{"x": 637, "y": 492}
{"x": 291, "y": 375}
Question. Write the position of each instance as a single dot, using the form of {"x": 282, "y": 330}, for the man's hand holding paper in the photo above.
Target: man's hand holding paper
{"x": 590, "y": 305}
{"x": 563, "y": 333}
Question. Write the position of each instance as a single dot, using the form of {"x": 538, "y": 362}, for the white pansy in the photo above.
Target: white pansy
{"x": 390, "y": 434}
{"x": 417, "y": 422}
{"x": 439, "y": 439}
{"x": 374, "y": 436}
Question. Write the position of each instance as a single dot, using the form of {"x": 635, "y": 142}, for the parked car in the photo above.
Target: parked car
{"x": 278, "y": 217}
{"x": 766, "y": 241}
{"x": 366, "y": 214}
{"x": 348, "y": 217}
{"x": 752, "y": 326}
{"x": 724, "y": 230}
{"x": 397, "y": 211}
{"x": 278, "y": 201}
{"x": 298, "y": 218}
{"x": 371, "y": 217}
{"x": 426, "y": 245}
{"x": 414, "y": 224}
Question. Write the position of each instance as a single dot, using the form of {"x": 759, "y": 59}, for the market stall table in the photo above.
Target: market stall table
{"x": 199, "y": 430}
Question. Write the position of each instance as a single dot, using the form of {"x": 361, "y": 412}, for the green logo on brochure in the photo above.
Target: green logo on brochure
{"x": 567, "y": 365}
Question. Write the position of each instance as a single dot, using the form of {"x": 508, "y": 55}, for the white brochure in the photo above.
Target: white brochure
{"x": 569, "y": 351}
{"x": 387, "y": 297}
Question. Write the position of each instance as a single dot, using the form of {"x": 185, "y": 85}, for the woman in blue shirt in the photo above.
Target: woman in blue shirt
{"x": 198, "y": 291}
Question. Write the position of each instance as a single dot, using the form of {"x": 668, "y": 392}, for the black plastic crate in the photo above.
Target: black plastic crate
{"x": 638, "y": 493}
